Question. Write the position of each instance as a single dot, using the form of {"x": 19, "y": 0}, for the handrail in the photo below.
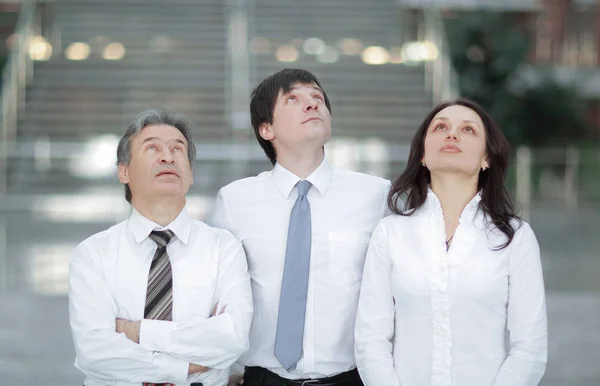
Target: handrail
{"x": 17, "y": 72}
{"x": 440, "y": 76}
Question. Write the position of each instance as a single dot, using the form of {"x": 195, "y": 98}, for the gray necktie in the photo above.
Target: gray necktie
{"x": 294, "y": 287}
{"x": 159, "y": 293}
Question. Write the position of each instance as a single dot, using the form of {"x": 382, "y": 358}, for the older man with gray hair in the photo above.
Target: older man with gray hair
{"x": 159, "y": 298}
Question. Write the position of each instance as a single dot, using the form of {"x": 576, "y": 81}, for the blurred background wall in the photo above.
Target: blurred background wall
{"x": 76, "y": 72}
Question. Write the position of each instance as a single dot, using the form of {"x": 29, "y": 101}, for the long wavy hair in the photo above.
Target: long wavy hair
{"x": 495, "y": 201}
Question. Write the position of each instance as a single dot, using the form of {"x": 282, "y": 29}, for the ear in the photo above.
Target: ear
{"x": 123, "y": 172}
{"x": 192, "y": 177}
{"x": 485, "y": 164}
{"x": 266, "y": 132}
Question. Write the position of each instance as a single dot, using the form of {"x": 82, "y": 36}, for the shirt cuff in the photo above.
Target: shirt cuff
{"x": 236, "y": 369}
{"x": 155, "y": 335}
{"x": 172, "y": 369}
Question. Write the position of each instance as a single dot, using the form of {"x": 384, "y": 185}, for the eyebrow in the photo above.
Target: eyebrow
{"x": 464, "y": 121}
{"x": 149, "y": 139}
{"x": 317, "y": 88}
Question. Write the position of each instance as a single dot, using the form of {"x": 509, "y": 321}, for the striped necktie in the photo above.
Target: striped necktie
{"x": 159, "y": 295}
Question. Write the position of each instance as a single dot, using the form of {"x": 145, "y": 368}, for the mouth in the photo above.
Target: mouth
{"x": 312, "y": 119}
{"x": 167, "y": 173}
{"x": 451, "y": 149}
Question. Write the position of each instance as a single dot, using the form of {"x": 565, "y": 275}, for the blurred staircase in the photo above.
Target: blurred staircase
{"x": 176, "y": 55}
{"x": 368, "y": 101}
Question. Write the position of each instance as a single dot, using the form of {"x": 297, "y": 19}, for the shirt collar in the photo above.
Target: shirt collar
{"x": 286, "y": 180}
{"x": 142, "y": 226}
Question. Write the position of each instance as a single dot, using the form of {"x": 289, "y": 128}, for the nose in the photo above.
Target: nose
{"x": 311, "y": 105}
{"x": 452, "y": 135}
{"x": 166, "y": 157}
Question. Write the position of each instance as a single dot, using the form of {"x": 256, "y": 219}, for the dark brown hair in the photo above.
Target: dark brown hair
{"x": 265, "y": 96}
{"x": 495, "y": 201}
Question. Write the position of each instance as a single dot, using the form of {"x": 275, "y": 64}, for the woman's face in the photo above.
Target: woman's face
{"x": 455, "y": 142}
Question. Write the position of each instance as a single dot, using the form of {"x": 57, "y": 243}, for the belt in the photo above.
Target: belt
{"x": 192, "y": 384}
{"x": 269, "y": 377}
{"x": 170, "y": 384}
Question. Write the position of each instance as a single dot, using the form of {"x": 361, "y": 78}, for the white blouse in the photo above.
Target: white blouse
{"x": 472, "y": 316}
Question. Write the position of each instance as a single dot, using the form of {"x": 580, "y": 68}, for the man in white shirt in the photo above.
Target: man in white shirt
{"x": 159, "y": 298}
{"x": 305, "y": 227}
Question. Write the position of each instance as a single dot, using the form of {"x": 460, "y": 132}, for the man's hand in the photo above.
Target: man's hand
{"x": 196, "y": 369}
{"x": 236, "y": 380}
{"x": 129, "y": 328}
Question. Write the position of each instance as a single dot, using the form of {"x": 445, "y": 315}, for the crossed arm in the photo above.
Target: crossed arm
{"x": 157, "y": 351}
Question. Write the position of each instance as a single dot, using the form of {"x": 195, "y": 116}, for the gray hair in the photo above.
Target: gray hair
{"x": 154, "y": 117}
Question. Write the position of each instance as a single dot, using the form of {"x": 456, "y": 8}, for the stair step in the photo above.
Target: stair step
{"x": 77, "y": 100}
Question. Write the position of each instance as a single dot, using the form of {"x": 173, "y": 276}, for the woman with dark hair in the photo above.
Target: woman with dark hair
{"x": 452, "y": 291}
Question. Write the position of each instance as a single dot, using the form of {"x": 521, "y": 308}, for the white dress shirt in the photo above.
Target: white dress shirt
{"x": 471, "y": 316}
{"x": 108, "y": 279}
{"x": 345, "y": 208}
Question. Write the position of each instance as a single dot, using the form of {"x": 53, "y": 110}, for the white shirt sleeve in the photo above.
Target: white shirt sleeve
{"x": 102, "y": 352}
{"x": 375, "y": 317}
{"x": 216, "y": 342}
{"x": 217, "y": 217}
{"x": 527, "y": 323}
{"x": 386, "y": 208}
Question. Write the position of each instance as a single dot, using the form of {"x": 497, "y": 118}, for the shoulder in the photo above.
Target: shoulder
{"x": 523, "y": 234}
{"x": 523, "y": 231}
{"x": 398, "y": 220}
{"x": 244, "y": 185}
{"x": 360, "y": 182}
{"x": 357, "y": 177}
{"x": 218, "y": 235}
{"x": 394, "y": 224}
{"x": 98, "y": 242}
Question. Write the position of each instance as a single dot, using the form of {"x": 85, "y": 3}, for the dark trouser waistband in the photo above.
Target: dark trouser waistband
{"x": 192, "y": 384}
{"x": 259, "y": 374}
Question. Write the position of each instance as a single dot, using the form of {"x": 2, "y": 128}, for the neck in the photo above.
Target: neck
{"x": 301, "y": 164}
{"x": 161, "y": 210}
{"x": 454, "y": 194}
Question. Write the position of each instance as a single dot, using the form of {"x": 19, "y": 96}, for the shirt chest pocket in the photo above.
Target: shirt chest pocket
{"x": 347, "y": 250}
{"x": 194, "y": 295}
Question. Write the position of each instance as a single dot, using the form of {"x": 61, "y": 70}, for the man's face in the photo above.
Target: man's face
{"x": 300, "y": 120}
{"x": 158, "y": 164}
